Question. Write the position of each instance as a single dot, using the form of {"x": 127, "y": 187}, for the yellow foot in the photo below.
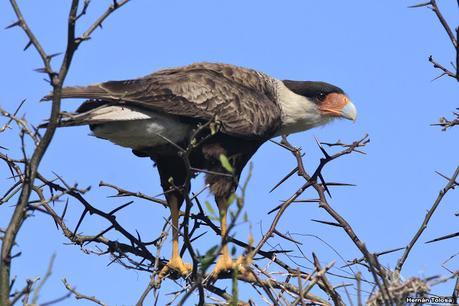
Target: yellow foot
{"x": 224, "y": 263}
{"x": 242, "y": 264}
{"x": 176, "y": 265}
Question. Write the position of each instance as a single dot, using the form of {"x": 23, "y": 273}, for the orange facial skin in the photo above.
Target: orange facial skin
{"x": 333, "y": 104}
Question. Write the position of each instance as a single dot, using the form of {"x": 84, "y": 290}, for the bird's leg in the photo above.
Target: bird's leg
{"x": 238, "y": 153}
{"x": 172, "y": 178}
{"x": 224, "y": 262}
{"x": 175, "y": 262}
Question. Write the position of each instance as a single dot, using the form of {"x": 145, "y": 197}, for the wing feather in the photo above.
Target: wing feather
{"x": 243, "y": 100}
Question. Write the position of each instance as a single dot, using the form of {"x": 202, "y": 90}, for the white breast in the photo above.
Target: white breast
{"x": 136, "y": 128}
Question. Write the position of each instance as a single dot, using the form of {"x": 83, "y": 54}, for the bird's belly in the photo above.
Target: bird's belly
{"x": 144, "y": 133}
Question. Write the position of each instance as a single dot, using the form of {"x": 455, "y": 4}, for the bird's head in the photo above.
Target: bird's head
{"x": 306, "y": 104}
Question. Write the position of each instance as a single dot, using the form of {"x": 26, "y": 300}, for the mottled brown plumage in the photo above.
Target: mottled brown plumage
{"x": 156, "y": 114}
{"x": 201, "y": 92}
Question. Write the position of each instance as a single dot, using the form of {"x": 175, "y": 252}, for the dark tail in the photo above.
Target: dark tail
{"x": 85, "y": 92}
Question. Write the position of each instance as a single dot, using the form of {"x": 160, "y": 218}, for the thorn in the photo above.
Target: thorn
{"x": 389, "y": 251}
{"x": 280, "y": 251}
{"x": 55, "y": 222}
{"x": 340, "y": 184}
{"x": 114, "y": 259}
{"x": 14, "y": 24}
{"x": 324, "y": 184}
{"x": 19, "y": 107}
{"x": 358, "y": 260}
{"x": 361, "y": 152}
{"x": 197, "y": 237}
{"x": 443, "y": 176}
{"x": 49, "y": 57}
{"x": 321, "y": 148}
{"x": 51, "y": 190}
{"x": 327, "y": 222}
{"x": 100, "y": 234}
{"x": 284, "y": 179}
{"x": 132, "y": 243}
{"x": 65, "y": 209}
{"x": 28, "y": 45}
{"x": 62, "y": 181}
{"x": 80, "y": 221}
{"x": 316, "y": 260}
{"x": 443, "y": 237}
{"x": 420, "y": 5}
{"x": 142, "y": 261}
{"x": 274, "y": 209}
{"x": 15, "y": 255}
{"x": 120, "y": 207}
{"x": 307, "y": 201}
{"x": 280, "y": 144}
{"x": 437, "y": 77}
{"x": 41, "y": 70}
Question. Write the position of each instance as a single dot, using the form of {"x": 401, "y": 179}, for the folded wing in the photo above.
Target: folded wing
{"x": 243, "y": 100}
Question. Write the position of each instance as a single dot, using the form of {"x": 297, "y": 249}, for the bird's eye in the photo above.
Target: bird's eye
{"x": 321, "y": 96}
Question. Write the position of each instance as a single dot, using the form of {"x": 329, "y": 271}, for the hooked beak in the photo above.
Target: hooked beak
{"x": 349, "y": 111}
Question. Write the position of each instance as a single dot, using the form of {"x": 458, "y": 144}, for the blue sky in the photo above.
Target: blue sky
{"x": 375, "y": 50}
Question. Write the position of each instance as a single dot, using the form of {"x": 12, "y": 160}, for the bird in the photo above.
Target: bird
{"x": 156, "y": 115}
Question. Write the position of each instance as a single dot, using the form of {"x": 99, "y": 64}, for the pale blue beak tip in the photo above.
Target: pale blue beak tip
{"x": 349, "y": 111}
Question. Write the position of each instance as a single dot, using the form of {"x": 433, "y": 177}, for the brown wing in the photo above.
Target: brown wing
{"x": 243, "y": 100}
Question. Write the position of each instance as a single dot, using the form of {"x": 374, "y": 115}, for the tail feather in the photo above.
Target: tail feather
{"x": 67, "y": 119}
{"x": 84, "y": 92}
{"x": 102, "y": 114}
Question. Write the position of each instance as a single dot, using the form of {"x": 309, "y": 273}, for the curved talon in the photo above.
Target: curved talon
{"x": 242, "y": 264}
{"x": 177, "y": 265}
{"x": 224, "y": 263}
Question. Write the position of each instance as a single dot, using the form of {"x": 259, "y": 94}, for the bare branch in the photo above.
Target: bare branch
{"x": 36, "y": 293}
{"x": 33, "y": 40}
{"x": 57, "y": 81}
{"x": 446, "y": 124}
{"x": 443, "y": 22}
{"x": 450, "y": 185}
{"x": 80, "y": 296}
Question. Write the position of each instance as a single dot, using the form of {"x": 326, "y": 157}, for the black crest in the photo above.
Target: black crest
{"x": 315, "y": 91}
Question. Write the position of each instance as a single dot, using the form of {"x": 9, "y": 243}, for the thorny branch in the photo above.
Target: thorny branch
{"x": 454, "y": 72}
{"x": 446, "y": 123}
{"x": 277, "y": 281}
{"x": 137, "y": 253}
{"x": 433, "y": 5}
{"x": 452, "y": 183}
{"x": 31, "y": 166}
{"x": 80, "y": 296}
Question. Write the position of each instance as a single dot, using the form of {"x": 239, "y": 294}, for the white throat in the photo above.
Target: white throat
{"x": 298, "y": 112}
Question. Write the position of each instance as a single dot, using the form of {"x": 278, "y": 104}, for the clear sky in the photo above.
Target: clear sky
{"x": 375, "y": 50}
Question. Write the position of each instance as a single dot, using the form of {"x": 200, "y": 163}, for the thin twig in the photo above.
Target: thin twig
{"x": 450, "y": 185}
{"x": 80, "y": 296}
